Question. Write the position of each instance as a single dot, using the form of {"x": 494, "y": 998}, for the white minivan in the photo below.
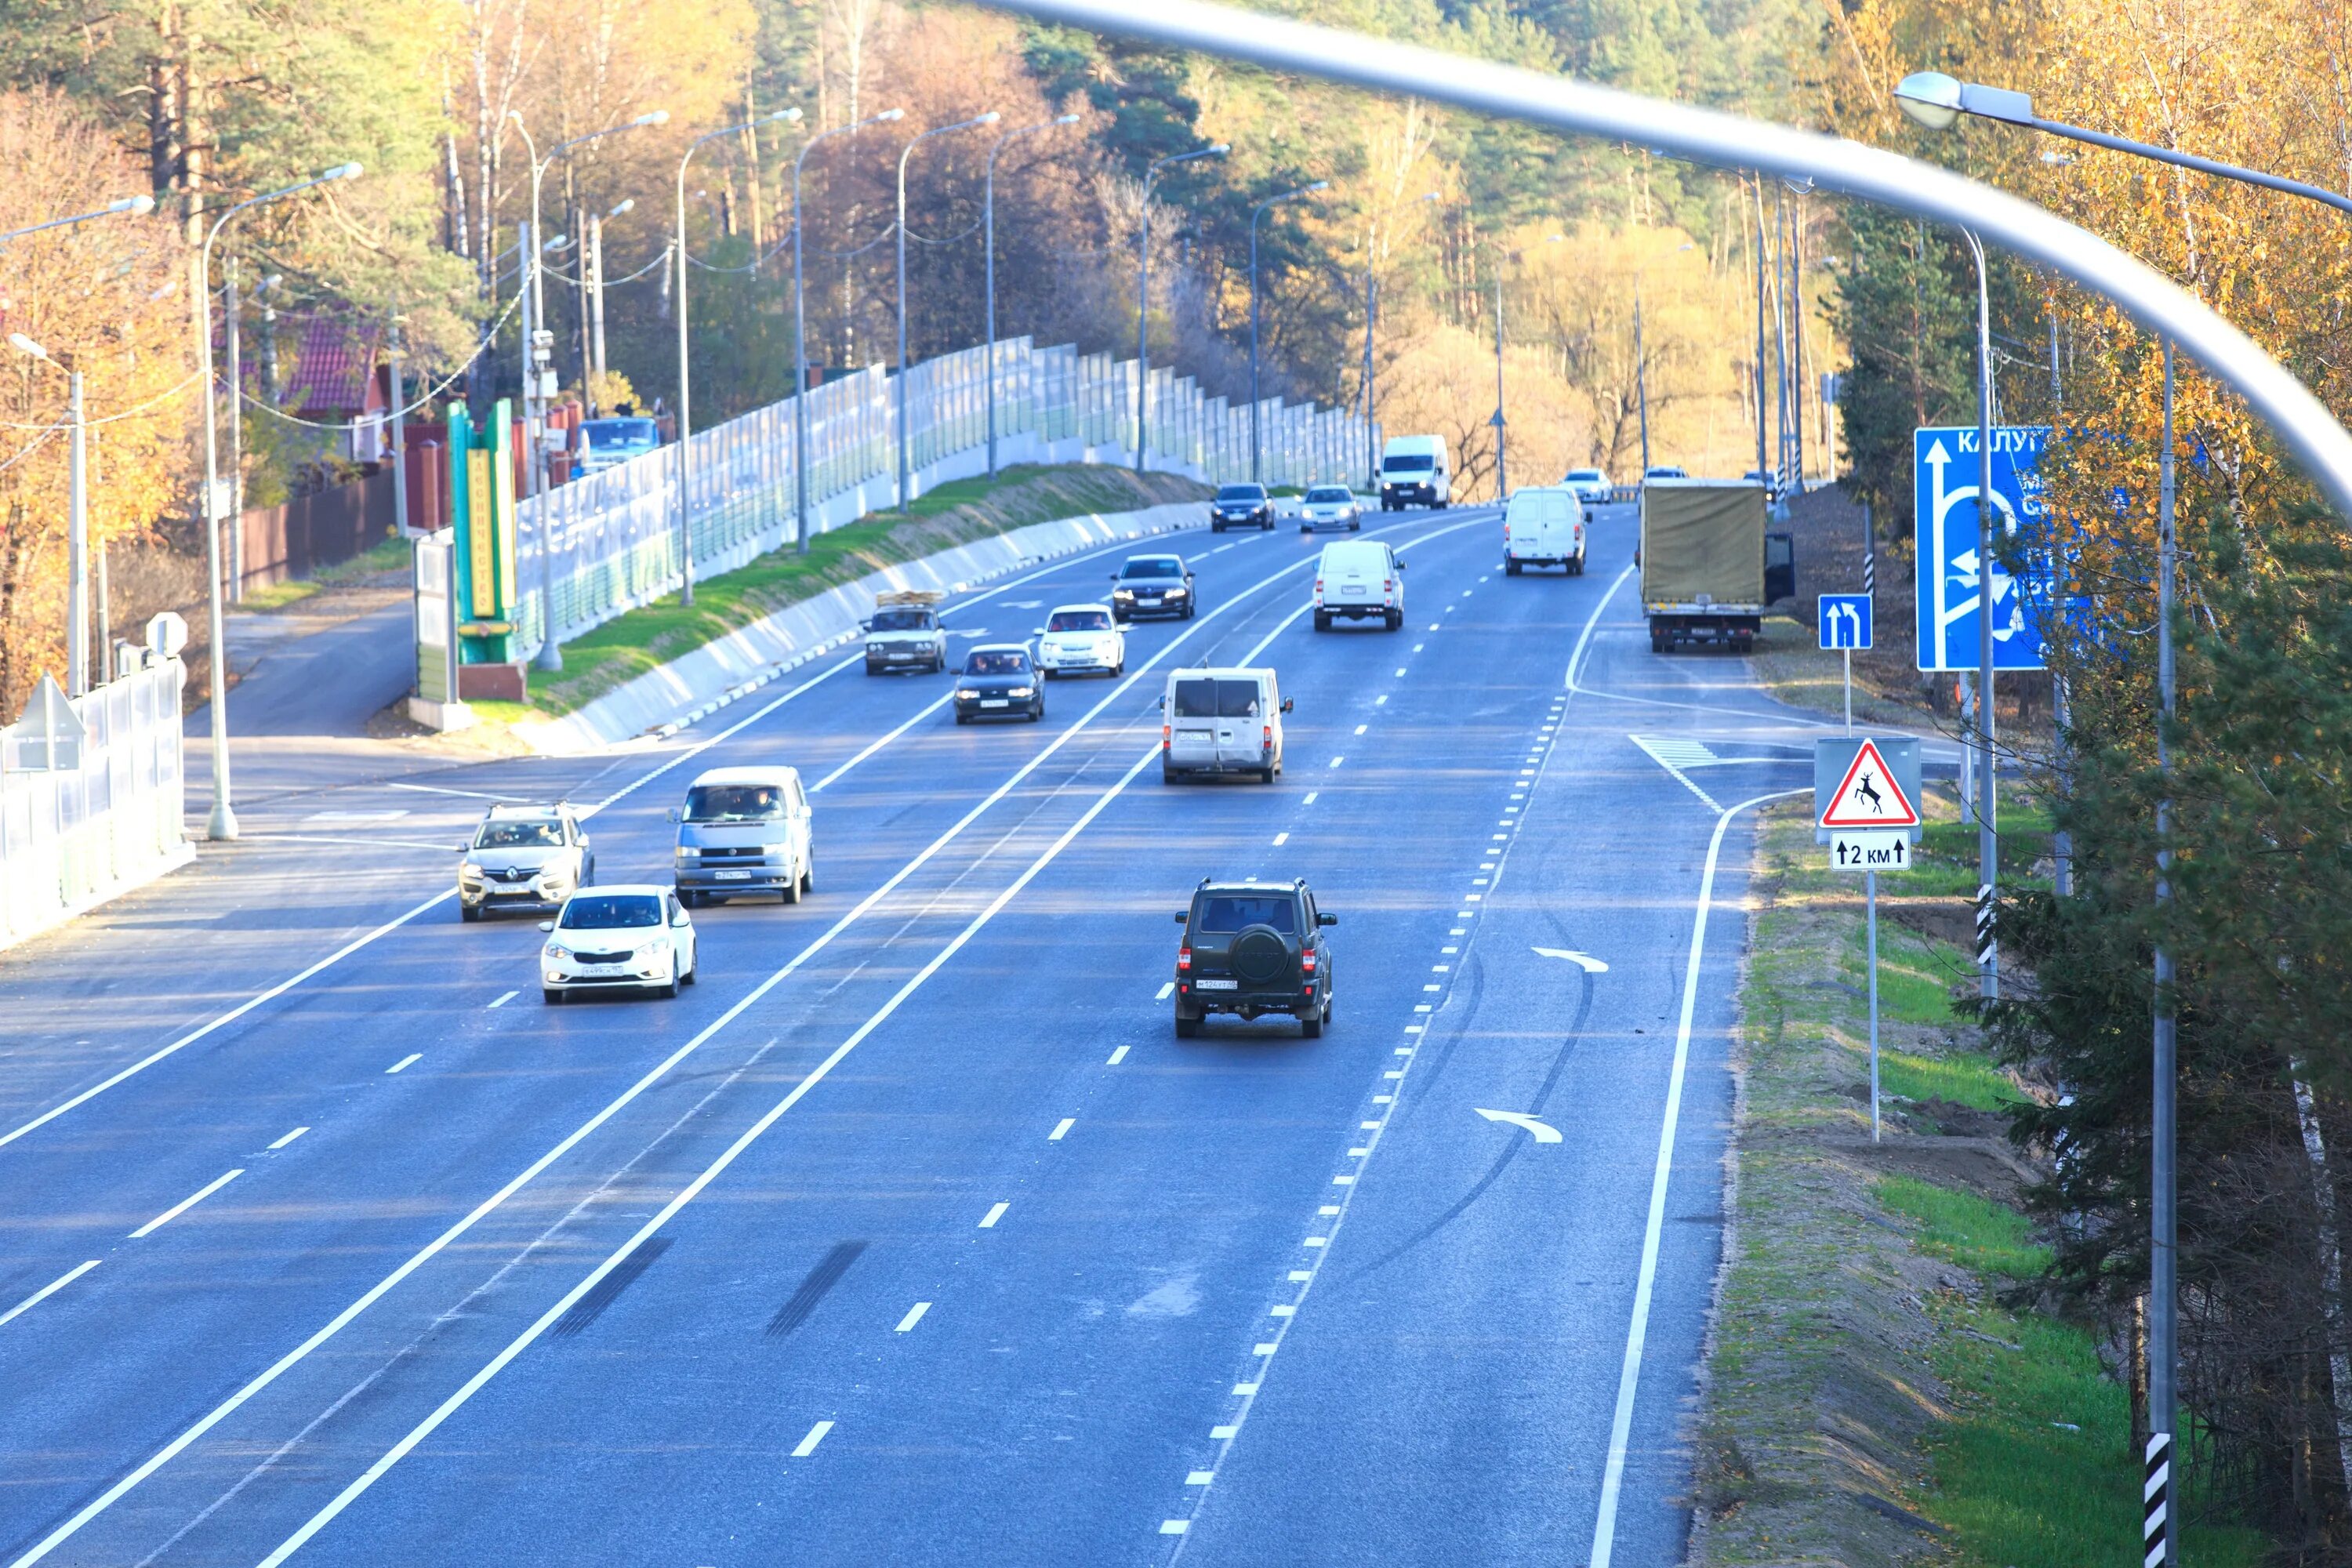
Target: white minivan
{"x": 1220, "y": 721}
{"x": 745, "y": 830}
{"x": 1544, "y": 526}
{"x": 1415, "y": 472}
{"x": 1357, "y": 579}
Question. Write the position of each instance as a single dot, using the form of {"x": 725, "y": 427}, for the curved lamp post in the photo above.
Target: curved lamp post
{"x": 799, "y": 347}
{"x": 1256, "y": 213}
{"x": 684, "y": 378}
{"x": 988, "y": 218}
{"x": 991, "y": 117}
{"x": 1937, "y": 102}
{"x": 534, "y": 295}
{"x": 1143, "y": 288}
{"x": 221, "y": 824}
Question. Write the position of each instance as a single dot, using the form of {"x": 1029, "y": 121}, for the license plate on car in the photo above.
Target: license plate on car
{"x": 604, "y": 969}
{"x": 1218, "y": 984}
{"x": 1350, "y": 591}
{"x": 733, "y": 876}
{"x": 995, "y": 702}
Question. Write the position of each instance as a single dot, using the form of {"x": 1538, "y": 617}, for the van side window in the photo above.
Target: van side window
{"x": 1237, "y": 699}
{"x": 1196, "y": 699}
{"x": 799, "y": 800}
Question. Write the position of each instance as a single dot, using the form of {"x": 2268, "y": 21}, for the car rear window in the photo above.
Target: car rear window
{"x": 517, "y": 836}
{"x": 602, "y": 911}
{"x": 1225, "y": 912}
{"x": 1237, "y": 699}
{"x": 1153, "y": 566}
{"x": 734, "y": 802}
{"x": 1079, "y": 621}
{"x": 997, "y": 664}
{"x": 1196, "y": 699}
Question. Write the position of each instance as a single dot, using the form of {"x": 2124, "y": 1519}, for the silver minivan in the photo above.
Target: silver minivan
{"x": 745, "y": 830}
{"x": 1220, "y": 721}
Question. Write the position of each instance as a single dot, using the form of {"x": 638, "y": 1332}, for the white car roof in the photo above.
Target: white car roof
{"x": 1343, "y": 548}
{"x": 648, "y": 889}
{"x": 997, "y": 647}
{"x": 1232, "y": 672}
{"x": 770, "y": 773}
{"x": 1074, "y": 609}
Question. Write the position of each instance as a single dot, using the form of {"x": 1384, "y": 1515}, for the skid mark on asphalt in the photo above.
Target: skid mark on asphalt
{"x": 821, "y": 1278}
{"x": 591, "y": 1307}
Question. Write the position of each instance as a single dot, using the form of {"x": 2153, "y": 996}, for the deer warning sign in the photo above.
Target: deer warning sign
{"x": 1867, "y": 796}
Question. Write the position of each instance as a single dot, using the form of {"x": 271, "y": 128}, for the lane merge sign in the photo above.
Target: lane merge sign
{"x": 1867, "y": 786}
{"x": 1844, "y": 621}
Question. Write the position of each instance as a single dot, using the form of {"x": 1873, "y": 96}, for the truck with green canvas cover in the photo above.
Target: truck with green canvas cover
{"x": 1704, "y": 561}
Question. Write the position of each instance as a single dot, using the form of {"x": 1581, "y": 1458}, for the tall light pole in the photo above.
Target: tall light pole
{"x": 221, "y": 824}
{"x": 1502, "y": 479}
{"x": 991, "y": 117}
{"x": 988, "y": 218}
{"x": 684, "y": 368}
{"x": 592, "y": 302}
{"x": 1256, "y": 213}
{"x": 799, "y": 319}
{"x": 1143, "y": 288}
{"x": 534, "y": 399}
{"x": 77, "y": 517}
{"x": 1936, "y": 101}
{"x": 1763, "y": 468}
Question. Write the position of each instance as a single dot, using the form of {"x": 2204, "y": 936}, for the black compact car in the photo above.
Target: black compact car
{"x": 1152, "y": 585}
{"x": 999, "y": 680}
{"x": 1240, "y": 506}
{"x": 1252, "y": 948}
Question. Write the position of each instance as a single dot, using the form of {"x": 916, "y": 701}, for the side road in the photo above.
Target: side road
{"x": 1869, "y": 1397}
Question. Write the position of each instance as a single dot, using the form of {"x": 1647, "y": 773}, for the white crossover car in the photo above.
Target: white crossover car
{"x": 1081, "y": 640}
{"x": 625, "y": 937}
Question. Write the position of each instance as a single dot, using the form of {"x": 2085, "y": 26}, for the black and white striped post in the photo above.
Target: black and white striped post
{"x": 2156, "y": 1501}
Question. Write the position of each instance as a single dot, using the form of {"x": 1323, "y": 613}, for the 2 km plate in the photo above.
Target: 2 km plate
{"x": 1888, "y": 851}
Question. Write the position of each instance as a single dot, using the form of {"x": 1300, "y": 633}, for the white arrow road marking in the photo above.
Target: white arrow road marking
{"x": 1543, "y": 1134}
{"x": 1589, "y": 964}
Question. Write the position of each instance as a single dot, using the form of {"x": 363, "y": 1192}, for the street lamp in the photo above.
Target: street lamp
{"x": 799, "y": 346}
{"x": 991, "y": 117}
{"x": 535, "y": 400}
{"x": 1936, "y": 101}
{"x": 988, "y": 220}
{"x": 221, "y": 824}
{"x": 77, "y": 519}
{"x": 132, "y": 206}
{"x": 1143, "y": 287}
{"x": 1256, "y": 213}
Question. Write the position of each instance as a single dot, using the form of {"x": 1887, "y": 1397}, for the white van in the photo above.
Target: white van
{"x": 1415, "y": 472}
{"x": 1544, "y": 526}
{"x": 745, "y": 830}
{"x": 1221, "y": 722}
{"x": 1359, "y": 578}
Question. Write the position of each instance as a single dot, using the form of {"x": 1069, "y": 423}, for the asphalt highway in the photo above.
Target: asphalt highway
{"x": 912, "y": 1234}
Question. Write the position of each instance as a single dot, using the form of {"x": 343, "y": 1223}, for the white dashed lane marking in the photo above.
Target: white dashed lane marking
{"x": 185, "y": 1204}
{"x": 1119, "y": 1054}
{"x": 914, "y": 1315}
{"x": 1061, "y": 1129}
{"x": 995, "y": 1213}
{"x": 289, "y": 1137}
{"x": 404, "y": 1063}
{"x": 816, "y": 1436}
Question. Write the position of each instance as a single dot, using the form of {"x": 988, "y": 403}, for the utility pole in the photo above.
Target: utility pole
{"x": 1371, "y": 440}
{"x": 230, "y": 325}
{"x": 399, "y": 440}
{"x": 1501, "y": 481}
{"x": 1763, "y": 468}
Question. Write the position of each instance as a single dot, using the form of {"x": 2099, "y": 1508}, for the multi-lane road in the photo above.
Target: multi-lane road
{"x": 912, "y": 1234}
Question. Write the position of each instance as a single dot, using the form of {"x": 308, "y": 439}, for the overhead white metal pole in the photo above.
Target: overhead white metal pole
{"x": 1732, "y": 142}
{"x": 800, "y": 327}
{"x": 904, "y": 444}
{"x": 77, "y": 546}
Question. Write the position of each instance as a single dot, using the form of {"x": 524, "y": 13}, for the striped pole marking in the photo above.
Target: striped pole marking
{"x": 2155, "y": 1495}
{"x": 1984, "y": 925}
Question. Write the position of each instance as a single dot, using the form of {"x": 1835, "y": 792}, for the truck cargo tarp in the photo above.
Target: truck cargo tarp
{"x": 1702, "y": 539}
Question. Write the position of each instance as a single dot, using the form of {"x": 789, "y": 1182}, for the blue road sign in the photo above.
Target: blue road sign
{"x": 1845, "y": 620}
{"x": 1944, "y": 489}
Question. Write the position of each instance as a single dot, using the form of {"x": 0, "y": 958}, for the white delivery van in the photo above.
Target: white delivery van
{"x": 1415, "y": 472}
{"x": 1221, "y": 722}
{"x": 1359, "y": 578}
{"x": 1544, "y": 526}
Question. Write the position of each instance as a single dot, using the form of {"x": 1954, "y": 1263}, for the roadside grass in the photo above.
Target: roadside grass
{"x": 2001, "y": 1426}
{"x": 955, "y": 513}
{"x": 390, "y": 553}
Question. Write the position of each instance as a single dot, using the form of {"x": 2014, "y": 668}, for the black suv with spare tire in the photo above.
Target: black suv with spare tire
{"x": 1252, "y": 948}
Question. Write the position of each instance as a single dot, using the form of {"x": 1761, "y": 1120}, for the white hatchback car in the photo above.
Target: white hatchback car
{"x": 1333, "y": 507}
{"x": 627, "y": 936}
{"x": 1078, "y": 639}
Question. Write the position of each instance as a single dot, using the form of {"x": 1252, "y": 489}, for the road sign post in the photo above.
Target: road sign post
{"x": 1865, "y": 808}
{"x": 1845, "y": 626}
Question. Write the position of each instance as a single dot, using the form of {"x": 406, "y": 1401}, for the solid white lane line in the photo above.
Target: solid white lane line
{"x": 1620, "y": 1429}
{"x": 995, "y": 1213}
{"x": 914, "y": 1315}
{"x": 816, "y": 1436}
{"x": 507, "y": 998}
{"x": 469, "y": 794}
{"x": 185, "y": 1204}
{"x": 289, "y": 1137}
{"x": 47, "y": 1291}
{"x": 114, "y": 1493}
{"x": 1116, "y": 1057}
{"x": 1061, "y": 1129}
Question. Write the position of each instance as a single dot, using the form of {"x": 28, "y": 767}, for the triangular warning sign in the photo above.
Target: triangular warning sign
{"x": 1868, "y": 796}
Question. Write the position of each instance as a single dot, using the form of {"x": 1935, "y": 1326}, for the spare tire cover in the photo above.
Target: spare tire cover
{"x": 1260, "y": 954}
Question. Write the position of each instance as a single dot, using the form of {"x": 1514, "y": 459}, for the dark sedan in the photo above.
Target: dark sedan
{"x": 1153, "y": 585}
{"x": 999, "y": 680}
{"x": 1240, "y": 506}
